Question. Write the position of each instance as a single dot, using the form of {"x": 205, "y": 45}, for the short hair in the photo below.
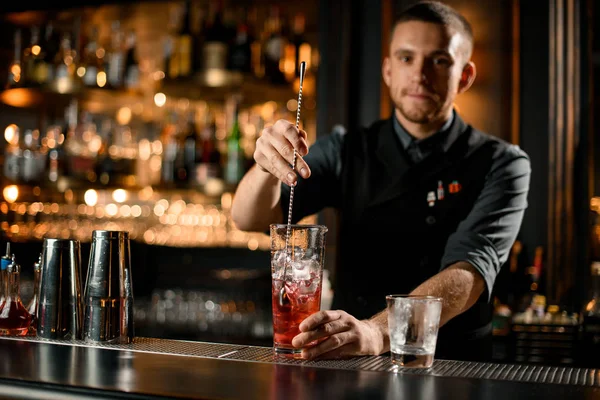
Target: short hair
{"x": 437, "y": 13}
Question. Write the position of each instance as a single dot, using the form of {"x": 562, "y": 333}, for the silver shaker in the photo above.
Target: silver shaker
{"x": 59, "y": 308}
{"x": 108, "y": 293}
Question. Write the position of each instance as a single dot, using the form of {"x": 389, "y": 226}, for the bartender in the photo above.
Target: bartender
{"x": 428, "y": 204}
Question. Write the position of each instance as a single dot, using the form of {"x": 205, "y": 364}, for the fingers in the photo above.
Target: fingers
{"x": 332, "y": 347}
{"x": 272, "y": 161}
{"x": 323, "y": 331}
{"x": 320, "y": 318}
{"x": 295, "y": 138}
{"x": 275, "y": 151}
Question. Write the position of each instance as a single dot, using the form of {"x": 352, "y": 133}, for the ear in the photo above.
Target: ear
{"x": 467, "y": 77}
{"x": 386, "y": 71}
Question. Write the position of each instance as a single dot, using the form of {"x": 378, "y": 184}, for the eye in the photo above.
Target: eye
{"x": 404, "y": 59}
{"x": 441, "y": 61}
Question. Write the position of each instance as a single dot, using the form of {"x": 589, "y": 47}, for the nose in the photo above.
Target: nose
{"x": 418, "y": 71}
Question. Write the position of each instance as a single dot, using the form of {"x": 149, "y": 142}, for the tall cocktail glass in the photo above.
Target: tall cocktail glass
{"x": 297, "y": 272}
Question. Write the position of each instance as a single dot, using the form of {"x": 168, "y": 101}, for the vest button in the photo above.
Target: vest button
{"x": 430, "y": 220}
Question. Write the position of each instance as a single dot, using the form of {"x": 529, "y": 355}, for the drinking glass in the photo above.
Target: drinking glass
{"x": 413, "y": 323}
{"x": 297, "y": 272}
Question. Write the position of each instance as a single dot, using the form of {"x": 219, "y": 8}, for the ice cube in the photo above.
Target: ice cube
{"x": 309, "y": 286}
{"x": 278, "y": 258}
{"x": 297, "y": 253}
{"x": 300, "y": 272}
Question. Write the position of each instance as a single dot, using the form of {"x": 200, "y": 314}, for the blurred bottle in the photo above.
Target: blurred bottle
{"x": 15, "y": 71}
{"x": 274, "y": 47}
{"x": 132, "y": 69}
{"x": 216, "y": 39}
{"x": 13, "y": 155}
{"x": 57, "y": 163}
{"x": 169, "y": 141}
{"x": 302, "y": 49}
{"x": 235, "y": 166}
{"x": 240, "y": 52}
{"x": 209, "y": 166}
{"x": 44, "y": 72}
{"x": 190, "y": 149}
{"x": 91, "y": 63}
{"x": 31, "y": 56}
{"x": 198, "y": 15}
{"x": 116, "y": 57}
{"x": 184, "y": 42}
{"x": 63, "y": 65}
{"x": 106, "y": 167}
{"x": 33, "y": 161}
{"x": 171, "y": 57}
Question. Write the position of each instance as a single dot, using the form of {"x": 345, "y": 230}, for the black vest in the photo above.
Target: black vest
{"x": 391, "y": 239}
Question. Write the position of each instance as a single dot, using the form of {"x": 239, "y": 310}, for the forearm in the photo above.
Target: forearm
{"x": 256, "y": 201}
{"x": 459, "y": 286}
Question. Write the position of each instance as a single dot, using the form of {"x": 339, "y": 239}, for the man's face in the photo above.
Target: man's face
{"x": 425, "y": 70}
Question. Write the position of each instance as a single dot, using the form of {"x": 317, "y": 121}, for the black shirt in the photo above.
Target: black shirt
{"x": 483, "y": 238}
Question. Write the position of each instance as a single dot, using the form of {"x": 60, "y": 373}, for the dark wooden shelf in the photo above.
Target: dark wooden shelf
{"x": 53, "y": 96}
{"x": 216, "y": 86}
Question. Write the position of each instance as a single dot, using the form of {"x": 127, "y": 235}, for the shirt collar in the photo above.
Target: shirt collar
{"x": 406, "y": 139}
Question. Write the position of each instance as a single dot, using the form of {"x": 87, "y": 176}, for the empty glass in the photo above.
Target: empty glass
{"x": 413, "y": 323}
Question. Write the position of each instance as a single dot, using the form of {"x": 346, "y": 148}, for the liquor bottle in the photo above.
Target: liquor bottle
{"x": 209, "y": 167}
{"x": 132, "y": 69}
{"x": 105, "y": 167}
{"x": 90, "y": 60}
{"x": 171, "y": 57}
{"x": 240, "y": 53}
{"x": 190, "y": 146}
{"x": 33, "y": 303}
{"x": 116, "y": 57}
{"x": 301, "y": 46}
{"x": 14, "y": 317}
{"x": 63, "y": 62}
{"x": 184, "y": 42}
{"x": 49, "y": 46}
{"x": 198, "y": 15}
{"x": 216, "y": 39}
{"x": 589, "y": 344}
{"x": 274, "y": 47}
{"x": 169, "y": 140}
{"x": 15, "y": 71}
{"x": 31, "y": 57}
{"x": 235, "y": 166}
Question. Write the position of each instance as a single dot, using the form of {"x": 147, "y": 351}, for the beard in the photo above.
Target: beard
{"x": 418, "y": 115}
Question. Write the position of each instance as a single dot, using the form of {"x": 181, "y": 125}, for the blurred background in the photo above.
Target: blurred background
{"x": 142, "y": 116}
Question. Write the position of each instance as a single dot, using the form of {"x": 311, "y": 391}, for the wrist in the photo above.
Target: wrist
{"x": 381, "y": 337}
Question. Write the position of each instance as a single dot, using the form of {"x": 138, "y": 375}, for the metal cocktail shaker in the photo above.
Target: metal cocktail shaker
{"x": 59, "y": 309}
{"x": 108, "y": 294}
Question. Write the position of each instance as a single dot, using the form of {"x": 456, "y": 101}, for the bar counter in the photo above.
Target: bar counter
{"x": 32, "y": 368}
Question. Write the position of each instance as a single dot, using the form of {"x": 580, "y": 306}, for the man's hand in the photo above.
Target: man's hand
{"x": 339, "y": 335}
{"x": 274, "y": 151}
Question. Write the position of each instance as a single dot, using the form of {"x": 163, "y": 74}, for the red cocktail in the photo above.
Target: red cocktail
{"x": 288, "y": 316}
{"x": 296, "y": 272}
